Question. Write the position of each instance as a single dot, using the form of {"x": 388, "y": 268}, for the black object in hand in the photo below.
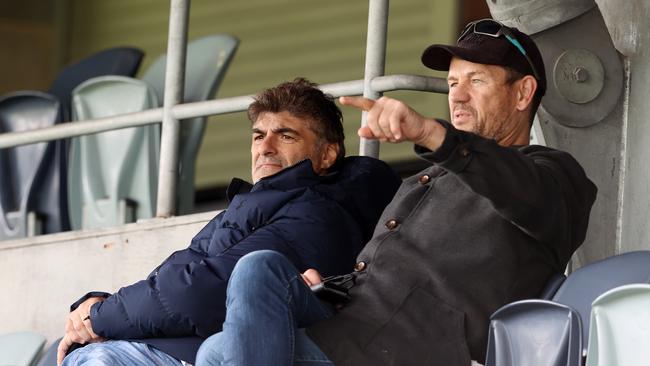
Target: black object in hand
{"x": 334, "y": 289}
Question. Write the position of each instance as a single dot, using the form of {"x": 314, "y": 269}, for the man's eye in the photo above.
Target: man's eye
{"x": 257, "y": 137}
{"x": 477, "y": 81}
{"x": 453, "y": 84}
{"x": 288, "y": 137}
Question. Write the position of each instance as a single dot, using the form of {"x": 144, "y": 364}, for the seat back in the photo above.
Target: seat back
{"x": 49, "y": 355}
{"x": 123, "y": 61}
{"x": 208, "y": 59}
{"x": 113, "y": 175}
{"x": 552, "y": 286}
{"x": 534, "y": 332}
{"x": 584, "y": 285}
{"x": 31, "y": 201}
{"x": 620, "y": 327}
{"x": 20, "y": 348}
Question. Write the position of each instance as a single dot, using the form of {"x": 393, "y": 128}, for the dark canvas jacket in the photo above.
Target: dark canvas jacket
{"x": 317, "y": 221}
{"x": 485, "y": 225}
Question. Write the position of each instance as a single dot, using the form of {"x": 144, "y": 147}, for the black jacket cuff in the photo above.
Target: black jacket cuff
{"x": 87, "y": 296}
{"x": 455, "y": 152}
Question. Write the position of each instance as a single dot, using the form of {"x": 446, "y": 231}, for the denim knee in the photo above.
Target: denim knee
{"x": 260, "y": 258}
{"x": 260, "y": 270}
{"x": 261, "y": 264}
{"x": 96, "y": 354}
{"x": 210, "y": 352}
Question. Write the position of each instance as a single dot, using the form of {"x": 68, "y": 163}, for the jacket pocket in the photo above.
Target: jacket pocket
{"x": 423, "y": 331}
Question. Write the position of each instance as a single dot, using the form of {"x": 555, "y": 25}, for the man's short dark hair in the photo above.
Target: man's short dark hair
{"x": 303, "y": 99}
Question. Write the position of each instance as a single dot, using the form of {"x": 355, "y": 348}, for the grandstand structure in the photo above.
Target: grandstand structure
{"x": 601, "y": 120}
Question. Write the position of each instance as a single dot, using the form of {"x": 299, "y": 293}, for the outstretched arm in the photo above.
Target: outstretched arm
{"x": 543, "y": 191}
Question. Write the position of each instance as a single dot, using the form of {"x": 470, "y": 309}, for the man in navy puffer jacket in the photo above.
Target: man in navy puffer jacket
{"x": 307, "y": 202}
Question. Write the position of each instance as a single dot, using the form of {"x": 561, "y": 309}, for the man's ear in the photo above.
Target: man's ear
{"x": 526, "y": 88}
{"x": 329, "y": 155}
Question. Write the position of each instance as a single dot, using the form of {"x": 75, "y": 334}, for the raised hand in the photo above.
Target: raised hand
{"x": 390, "y": 120}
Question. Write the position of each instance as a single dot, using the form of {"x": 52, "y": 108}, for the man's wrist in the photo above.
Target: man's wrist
{"x": 90, "y": 302}
{"x": 99, "y": 294}
{"x": 433, "y": 135}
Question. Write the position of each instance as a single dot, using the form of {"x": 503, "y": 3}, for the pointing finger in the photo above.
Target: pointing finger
{"x": 361, "y": 103}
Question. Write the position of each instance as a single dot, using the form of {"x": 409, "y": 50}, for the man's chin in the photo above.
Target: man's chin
{"x": 264, "y": 172}
{"x": 466, "y": 125}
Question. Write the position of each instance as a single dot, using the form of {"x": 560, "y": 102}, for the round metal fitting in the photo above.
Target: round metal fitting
{"x": 360, "y": 266}
{"x": 578, "y": 93}
{"x": 392, "y": 224}
{"x": 579, "y": 76}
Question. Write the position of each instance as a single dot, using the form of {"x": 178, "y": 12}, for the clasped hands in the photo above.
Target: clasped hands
{"x": 78, "y": 328}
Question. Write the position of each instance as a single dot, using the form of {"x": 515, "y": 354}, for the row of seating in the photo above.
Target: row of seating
{"x": 108, "y": 178}
{"x": 600, "y": 315}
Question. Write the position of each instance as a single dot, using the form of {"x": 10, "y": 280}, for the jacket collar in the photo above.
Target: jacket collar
{"x": 298, "y": 175}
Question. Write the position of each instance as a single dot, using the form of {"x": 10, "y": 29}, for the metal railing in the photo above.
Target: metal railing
{"x": 174, "y": 111}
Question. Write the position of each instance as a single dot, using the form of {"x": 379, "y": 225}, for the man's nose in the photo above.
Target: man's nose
{"x": 459, "y": 93}
{"x": 267, "y": 146}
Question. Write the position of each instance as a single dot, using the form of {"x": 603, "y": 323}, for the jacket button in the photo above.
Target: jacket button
{"x": 424, "y": 179}
{"x": 464, "y": 151}
{"x": 391, "y": 224}
{"x": 360, "y": 266}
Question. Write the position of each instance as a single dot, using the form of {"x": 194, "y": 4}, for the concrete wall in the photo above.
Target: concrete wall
{"x": 590, "y": 131}
{"x": 40, "y": 277}
{"x": 628, "y": 25}
{"x": 608, "y": 132}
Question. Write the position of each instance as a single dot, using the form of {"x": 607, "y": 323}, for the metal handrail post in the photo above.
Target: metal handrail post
{"x": 211, "y": 107}
{"x": 174, "y": 84}
{"x": 375, "y": 62}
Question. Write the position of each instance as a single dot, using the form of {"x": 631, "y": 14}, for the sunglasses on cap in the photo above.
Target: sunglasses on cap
{"x": 492, "y": 28}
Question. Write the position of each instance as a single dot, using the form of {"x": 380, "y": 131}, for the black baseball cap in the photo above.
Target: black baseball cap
{"x": 489, "y": 42}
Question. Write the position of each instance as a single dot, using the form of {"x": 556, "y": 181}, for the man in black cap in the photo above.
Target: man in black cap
{"x": 489, "y": 222}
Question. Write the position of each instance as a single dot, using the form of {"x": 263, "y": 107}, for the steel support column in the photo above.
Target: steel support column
{"x": 174, "y": 83}
{"x": 375, "y": 62}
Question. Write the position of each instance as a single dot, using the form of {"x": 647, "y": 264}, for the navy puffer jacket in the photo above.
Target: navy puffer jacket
{"x": 319, "y": 222}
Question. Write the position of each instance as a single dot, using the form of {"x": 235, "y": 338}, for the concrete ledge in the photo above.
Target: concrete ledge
{"x": 40, "y": 277}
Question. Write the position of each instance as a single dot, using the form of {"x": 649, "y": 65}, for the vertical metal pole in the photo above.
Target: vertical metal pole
{"x": 174, "y": 83}
{"x": 375, "y": 62}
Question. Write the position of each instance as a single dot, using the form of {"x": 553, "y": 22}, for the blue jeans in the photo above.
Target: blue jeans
{"x": 119, "y": 353}
{"x": 267, "y": 302}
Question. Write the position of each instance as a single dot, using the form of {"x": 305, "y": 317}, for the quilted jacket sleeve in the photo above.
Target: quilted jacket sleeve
{"x": 187, "y": 295}
{"x": 181, "y": 299}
